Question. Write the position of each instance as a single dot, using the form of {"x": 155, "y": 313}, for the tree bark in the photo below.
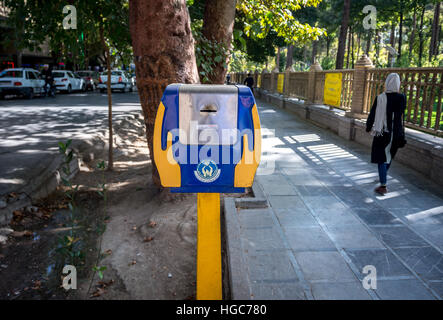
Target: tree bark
{"x": 289, "y": 59}
{"x": 352, "y": 50}
{"x": 377, "y": 45}
{"x": 433, "y": 51}
{"x": 349, "y": 47}
{"x": 164, "y": 53}
{"x": 400, "y": 32}
{"x": 412, "y": 36}
{"x": 343, "y": 32}
{"x": 314, "y": 51}
{"x": 391, "y": 41}
{"x": 328, "y": 45}
{"x": 368, "y": 42}
{"x": 218, "y": 25}
{"x": 420, "y": 36}
{"x": 109, "y": 91}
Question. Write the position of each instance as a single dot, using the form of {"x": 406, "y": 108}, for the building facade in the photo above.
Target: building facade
{"x": 10, "y": 55}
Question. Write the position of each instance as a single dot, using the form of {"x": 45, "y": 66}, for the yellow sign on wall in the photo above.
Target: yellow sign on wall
{"x": 280, "y": 82}
{"x": 332, "y": 93}
{"x": 259, "y": 81}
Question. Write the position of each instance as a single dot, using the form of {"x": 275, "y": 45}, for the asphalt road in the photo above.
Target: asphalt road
{"x": 31, "y": 129}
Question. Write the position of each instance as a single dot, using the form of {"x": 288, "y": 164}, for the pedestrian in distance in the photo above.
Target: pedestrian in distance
{"x": 49, "y": 81}
{"x": 385, "y": 123}
{"x": 228, "y": 79}
{"x": 249, "y": 81}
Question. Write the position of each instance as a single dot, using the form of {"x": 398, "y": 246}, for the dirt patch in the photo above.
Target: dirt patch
{"x": 147, "y": 250}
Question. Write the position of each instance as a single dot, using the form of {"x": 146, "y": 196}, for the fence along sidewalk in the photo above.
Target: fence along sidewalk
{"x": 422, "y": 86}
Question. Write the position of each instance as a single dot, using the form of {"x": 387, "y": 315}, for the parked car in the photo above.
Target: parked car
{"x": 21, "y": 81}
{"x": 90, "y": 78}
{"x": 120, "y": 80}
{"x": 66, "y": 80}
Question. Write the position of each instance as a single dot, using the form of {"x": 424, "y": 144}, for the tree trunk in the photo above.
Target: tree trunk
{"x": 314, "y": 51}
{"x": 433, "y": 51}
{"x": 438, "y": 42}
{"x": 164, "y": 53}
{"x": 218, "y": 25}
{"x": 368, "y": 42}
{"x": 377, "y": 45}
{"x": 343, "y": 32}
{"x": 19, "y": 56}
{"x": 391, "y": 41}
{"x": 289, "y": 59}
{"x": 412, "y": 36}
{"x": 420, "y": 36}
{"x": 400, "y": 32}
{"x": 349, "y": 47}
{"x": 328, "y": 45}
{"x": 277, "y": 60}
{"x": 108, "y": 84}
{"x": 358, "y": 44}
{"x": 352, "y": 50}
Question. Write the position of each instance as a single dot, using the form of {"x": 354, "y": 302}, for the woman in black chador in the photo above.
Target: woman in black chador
{"x": 385, "y": 124}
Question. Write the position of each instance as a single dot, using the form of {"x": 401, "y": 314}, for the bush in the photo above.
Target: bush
{"x": 328, "y": 63}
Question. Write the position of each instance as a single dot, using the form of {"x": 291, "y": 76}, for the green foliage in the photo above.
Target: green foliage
{"x": 37, "y": 21}
{"x": 263, "y": 16}
{"x": 99, "y": 270}
{"x": 68, "y": 246}
{"x": 240, "y": 62}
{"x": 259, "y": 27}
{"x": 208, "y": 53}
{"x": 328, "y": 63}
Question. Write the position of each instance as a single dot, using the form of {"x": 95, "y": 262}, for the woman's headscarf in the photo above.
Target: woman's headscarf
{"x": 392, "y": 84}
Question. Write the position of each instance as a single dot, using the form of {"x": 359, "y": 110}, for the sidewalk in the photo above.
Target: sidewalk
{"x": 324, "y": 223}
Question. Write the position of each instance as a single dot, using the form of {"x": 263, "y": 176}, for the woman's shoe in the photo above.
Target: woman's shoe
{"x": 381, "y": 190}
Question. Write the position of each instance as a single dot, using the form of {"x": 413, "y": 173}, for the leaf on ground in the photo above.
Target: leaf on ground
{"x": 132, "y": 263}
{"x": 148, "y": 239}
{"x": 106, "y": 284}
{"x": 108, "y": 252}
{"x": 19, "y": 234}
{"x": 98, "y": 292}
{"x": 37, "y": 285}
{"x": 17, "y": 213}
{"x": 152, "y": 224}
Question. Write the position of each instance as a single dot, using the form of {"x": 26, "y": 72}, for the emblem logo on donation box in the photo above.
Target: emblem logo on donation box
{"x": 207, "y": 171}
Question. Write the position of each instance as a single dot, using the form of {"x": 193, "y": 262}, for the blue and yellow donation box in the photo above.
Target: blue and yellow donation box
{"x": 207, "y": 138}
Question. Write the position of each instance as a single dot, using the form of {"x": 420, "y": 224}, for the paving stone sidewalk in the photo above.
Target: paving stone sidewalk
{"x": 324, "y": 223}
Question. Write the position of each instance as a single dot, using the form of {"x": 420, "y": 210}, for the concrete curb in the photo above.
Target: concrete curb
{"x": 44, "y": 182}
{"x": 40, "y": 186}
{"x": 238, "y": 275}
{"x": 258, "y": 201}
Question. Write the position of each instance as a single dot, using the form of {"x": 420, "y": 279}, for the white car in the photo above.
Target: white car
{"x": 21, "y": 81}
{"x": 120, "y": 80}
{"x": 66, "y": 80}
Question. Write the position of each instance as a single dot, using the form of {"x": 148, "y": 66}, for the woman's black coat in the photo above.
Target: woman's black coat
{"x": 396, "y": 104}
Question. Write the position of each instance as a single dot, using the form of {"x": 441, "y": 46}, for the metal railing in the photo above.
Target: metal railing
{"x": 422, "y": 87}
